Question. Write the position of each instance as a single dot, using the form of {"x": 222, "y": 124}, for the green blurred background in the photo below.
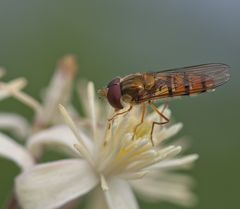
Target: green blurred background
{"x": 113, "y": 38}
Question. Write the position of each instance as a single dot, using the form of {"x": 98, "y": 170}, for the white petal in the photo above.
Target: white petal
{"x": 4, "y": 94}
{"x": 59, "y": 137}
{"x": 59, "y": 90}
{"x": 17, "y": 124}
{"x": 169, "y": 176}
{"x": 15, "y": 152}
{"x": 161, "y": 190}
{"x": 120, "y": 195}
{"x": 51, "y": 185}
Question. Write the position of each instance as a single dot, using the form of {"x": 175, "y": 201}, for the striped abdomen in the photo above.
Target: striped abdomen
{"x": 187, "y": 84}
{"x": 186, "y": 81}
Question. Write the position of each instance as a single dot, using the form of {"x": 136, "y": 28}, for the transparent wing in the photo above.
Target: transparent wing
{"x": 187, "y": 81}
{"x": 217, "y": 72}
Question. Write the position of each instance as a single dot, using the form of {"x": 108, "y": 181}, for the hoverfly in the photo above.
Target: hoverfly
{"x": 145, "y": 88}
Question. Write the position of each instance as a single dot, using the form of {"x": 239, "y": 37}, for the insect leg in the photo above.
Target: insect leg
{"x": 157, "y": 123}
{"x": 142, "y": 119}
{"x": 110, "y": 120}
{"x": 165, "y": 106}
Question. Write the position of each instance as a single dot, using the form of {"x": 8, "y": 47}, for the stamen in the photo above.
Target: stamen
{"x": 150, "y": 154}
{"x": 167, "y": 133}
{"x": 128, "y": 155}
{"x": 18, "y": 83}
{"x": 84, "y": 152}
{"x": 14, "y": 89}
{"x": 81, "y": 147}
{"x": 147, "y": 162}
{"x": 91, "y": 98}
{"x": 113, "y": 145}
{"x": 140, "y": 143}
{"x": 165, "y": 151}
{"x": 27, "y": 100}
{"x": 128, "y": 140}
{"x": 172, "y": 152}
{"x": 185, "y": 161}
{"x": 134, "y": 176}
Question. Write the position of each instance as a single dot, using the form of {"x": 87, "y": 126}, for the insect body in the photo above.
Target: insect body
{"x": 142, "y": 88}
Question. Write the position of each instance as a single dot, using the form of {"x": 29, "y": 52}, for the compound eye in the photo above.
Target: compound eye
{"x": 114, "y": 93}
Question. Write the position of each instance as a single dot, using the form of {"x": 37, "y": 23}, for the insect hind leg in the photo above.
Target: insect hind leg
{"x": 162, "y": 116}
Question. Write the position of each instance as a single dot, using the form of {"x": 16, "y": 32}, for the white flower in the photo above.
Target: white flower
{"x": 15, "y": 152}
{"x": 111, "y": 165}
{"x": 58, "y": 91}
{"x": 15, "y": 124}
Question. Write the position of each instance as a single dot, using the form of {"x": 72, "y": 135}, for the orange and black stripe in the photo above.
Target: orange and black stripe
{"x": 186, "y": 84}
{"x": 170, "y": 82}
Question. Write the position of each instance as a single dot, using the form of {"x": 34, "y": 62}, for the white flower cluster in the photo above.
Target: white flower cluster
{"x": 104, "y": 162}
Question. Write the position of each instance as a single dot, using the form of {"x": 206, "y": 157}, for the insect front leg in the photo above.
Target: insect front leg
{"x": 111, "y": 120}
{"x": 142, "y": 119}
{"x": 162, "y": 116}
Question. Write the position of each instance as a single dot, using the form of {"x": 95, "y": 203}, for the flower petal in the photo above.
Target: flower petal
{"x": 15, "y": 152}
{"x": 51, "y": 185}
{"x": 58, "y": 136}
{"x": 120, "y": 195}
{"x": 163, "y": 190}
{"x": 17, "y": 124}
{"x": 59, "y": 91}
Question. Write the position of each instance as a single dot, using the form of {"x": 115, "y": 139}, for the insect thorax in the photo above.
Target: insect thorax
{"x": 136, "y": 86}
